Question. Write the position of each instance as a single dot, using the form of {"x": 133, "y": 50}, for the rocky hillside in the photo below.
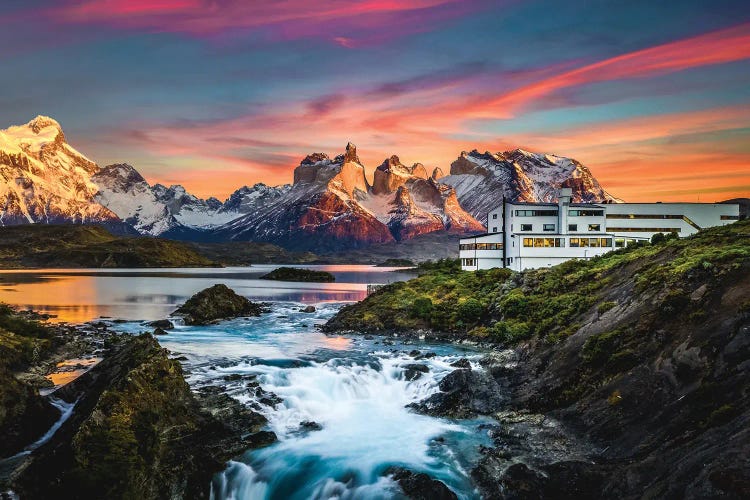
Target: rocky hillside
{"x": 638, "y": 362}
{"x": 482, "y": 179}
{"x": 74, "y": 246}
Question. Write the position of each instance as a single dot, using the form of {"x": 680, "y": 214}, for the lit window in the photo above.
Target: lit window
{"x": 575, "y": 242}
{"x": 595, "y": 227}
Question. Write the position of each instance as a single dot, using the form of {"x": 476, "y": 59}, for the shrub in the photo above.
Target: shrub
{"x": 658, "y": 239}
{"x": 606, "y": 306}
{"x": 470, "y": 311}
{"x": 422, "y": 308}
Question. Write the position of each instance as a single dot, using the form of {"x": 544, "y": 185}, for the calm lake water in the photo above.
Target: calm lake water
{"x": 78, "y": 295}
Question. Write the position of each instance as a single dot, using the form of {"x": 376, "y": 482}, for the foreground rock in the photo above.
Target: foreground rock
{"x": 464, "y": 393}
{"x": 420, "y": 486}
{"x": 216, "y": 303}
{"x": 296, "y": 274}
{"x": 137, "y": 431}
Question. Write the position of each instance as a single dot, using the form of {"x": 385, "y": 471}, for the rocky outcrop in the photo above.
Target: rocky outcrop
{"x": 296, "y": 274}
{"x": 137, "y": 431}
{"x": 464, "y": 393}
{"x": 420, "y": 486}
{"x": 216, "y": 303}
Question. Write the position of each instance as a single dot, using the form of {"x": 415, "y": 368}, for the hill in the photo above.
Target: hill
{"x": 642, "y": 355}
{"x": 39, "y": 245}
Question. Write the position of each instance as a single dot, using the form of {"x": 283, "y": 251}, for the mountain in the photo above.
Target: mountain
{"x": 482, "y": 179}
{"x": 331, "y": 206}
{"x": 44, "y": 179}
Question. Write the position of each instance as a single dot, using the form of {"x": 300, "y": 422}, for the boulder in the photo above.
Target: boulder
{"x": 308, "y": 309}
{"x": 413, "y": 371}
{"x": 159, "y": 331}
{"x": 164, "y": 324}
{"x": 420, "y": 486}
{"x": 216, "y": 303}
{"x": 463, "y": 394}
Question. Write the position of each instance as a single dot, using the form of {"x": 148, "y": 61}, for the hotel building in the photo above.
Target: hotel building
{"x": 532, "y": 235}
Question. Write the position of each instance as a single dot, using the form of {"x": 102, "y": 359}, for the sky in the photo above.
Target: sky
{"x": 654, "y": 97}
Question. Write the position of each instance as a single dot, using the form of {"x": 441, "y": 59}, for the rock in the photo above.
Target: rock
{"x": 310, "y": 426}
{"x": 161, "y": 323}
{"x": 260, "y": 439}
{"x": 233, "y": 377}
{"x": 414, "y": 353}
{"x": 308, "y": 309}
{"x": 426, "y": 355}
{"x": 216, "y": 303}
{"x": 414, "y": 371}
{"x": 300, "y": 275}
{"x": 463, "y": 394}
{"x": 420, "y": 486}
{"x": 159, "y": 331}
{"x": 462, "y": 363}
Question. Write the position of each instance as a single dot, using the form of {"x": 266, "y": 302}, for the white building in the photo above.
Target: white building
{"x": 531, "y": 235}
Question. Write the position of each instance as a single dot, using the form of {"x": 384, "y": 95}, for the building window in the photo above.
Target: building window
{"x": 591, "y": 242}
{"x": 730, "y": 217}
{"x": 572, "y": 227}
{"x": 494, "y": 229}
{"x": 468, "y": 262}
{"x": 595, "y": 227}
{"x": 619, "y": 242}
{"x": 494, "y": 216}
{"x": 585, "y": 213}
{"x": 526, "y": 227}
{"x": 536, "y": 213}
{"x": 548, "y": 227}
{"x": 544, "y": 242}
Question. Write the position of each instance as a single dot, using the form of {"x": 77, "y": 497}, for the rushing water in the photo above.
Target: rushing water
{"x": 352, "y": 387}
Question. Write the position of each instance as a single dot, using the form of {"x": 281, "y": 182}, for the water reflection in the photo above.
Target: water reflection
{"x": 78, "y": 295}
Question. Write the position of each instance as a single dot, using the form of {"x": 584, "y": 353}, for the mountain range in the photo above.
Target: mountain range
{"x": 330, "y": 205}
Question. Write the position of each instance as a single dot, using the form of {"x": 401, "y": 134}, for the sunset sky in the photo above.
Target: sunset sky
{"x": 214, "y": 94}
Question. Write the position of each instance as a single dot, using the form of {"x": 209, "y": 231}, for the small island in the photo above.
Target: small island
{"x": 396, "y": 263}
{"x": 214, "y": 304}
{"x": 299, "y": 275}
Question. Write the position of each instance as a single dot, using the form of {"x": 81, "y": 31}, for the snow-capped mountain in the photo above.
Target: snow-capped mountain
{"x": 482, "y": 179}
{"x": 331, "y": 205}
{"x": 45, "y": 180}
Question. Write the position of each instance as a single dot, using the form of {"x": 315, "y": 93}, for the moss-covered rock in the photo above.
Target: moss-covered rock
{"x": 301, "y": 275}
{"x": 137, "y": 432}
{"x": 216, "y": 303}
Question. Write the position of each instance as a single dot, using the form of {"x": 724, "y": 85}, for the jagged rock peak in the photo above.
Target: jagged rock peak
{"x": 437, "y": 173}
{"x": 351, "y": 153}
{"x": 390, "y": 163}
{"x": 315, "y": 158}
{"x": 123, "y": 171}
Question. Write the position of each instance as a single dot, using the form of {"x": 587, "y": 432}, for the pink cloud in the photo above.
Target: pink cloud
{"x": 347, "y": 23}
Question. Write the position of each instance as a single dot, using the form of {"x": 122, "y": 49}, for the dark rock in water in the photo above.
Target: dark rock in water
{"x": 216, "y": 303}
{"x": 369, "y": 337}
{"x": 310, "y": 426}
{"x": 160, "y": 331}
{"x": 308, "y": 309}
{"x": 420, "y": 486}
{"x": 463, "y": 394}
{"x": 260, "y": 439}
{"x": 414, "y": 353}
{"x": 462, "y": 363}
{"x": 181, "y": 358}
{"x": 233, "y": 377}
{"x": 296, "y": 274}
{"x": 426, "y": 355}
{"x": 414, "y": 371}
{"x": 161, "y": 323}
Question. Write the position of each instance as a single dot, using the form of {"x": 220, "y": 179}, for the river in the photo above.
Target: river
{"x": 353, "y": 388}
